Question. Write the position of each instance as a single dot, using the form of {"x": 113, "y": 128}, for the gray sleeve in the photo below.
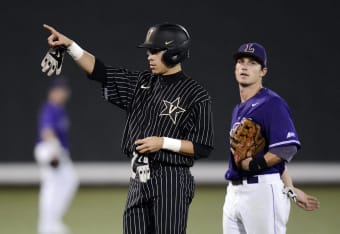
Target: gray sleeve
{"x": 285, "y": 152}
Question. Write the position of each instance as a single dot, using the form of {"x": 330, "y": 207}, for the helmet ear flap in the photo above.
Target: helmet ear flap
{"x": 171, "y": 57}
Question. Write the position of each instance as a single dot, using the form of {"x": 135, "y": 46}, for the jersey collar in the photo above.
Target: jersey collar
{"x": 173, "y": 78}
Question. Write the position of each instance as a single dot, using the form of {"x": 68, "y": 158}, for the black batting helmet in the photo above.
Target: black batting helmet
{"x": 173, "y": 38}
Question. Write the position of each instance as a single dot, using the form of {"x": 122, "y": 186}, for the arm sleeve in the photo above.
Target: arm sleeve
{"x": 201, "y": 133}
{"x": 202, "y": 151}
{"x": 45, "y": 119}
{"x": 118, "y": 85}
{"x": 285, "y": 152}
{"x": 279, "y": 127}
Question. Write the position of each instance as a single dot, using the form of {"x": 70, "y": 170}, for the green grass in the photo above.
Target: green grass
{"x": 99, "y": 211}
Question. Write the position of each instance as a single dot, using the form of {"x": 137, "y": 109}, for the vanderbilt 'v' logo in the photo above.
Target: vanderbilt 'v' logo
{"x": 172, "y": 109}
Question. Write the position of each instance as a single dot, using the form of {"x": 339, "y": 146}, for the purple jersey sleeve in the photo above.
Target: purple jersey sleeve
{"x": 54, "y": 118}
{"x": 279, "y": 127}
{"x": 46, "y": 118}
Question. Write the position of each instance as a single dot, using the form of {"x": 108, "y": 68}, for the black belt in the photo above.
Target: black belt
{"x": 250, "y": 180}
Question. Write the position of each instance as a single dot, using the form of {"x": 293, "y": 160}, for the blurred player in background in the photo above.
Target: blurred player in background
{"x": 58, "y": 179}
{"x": 262, "y": 140}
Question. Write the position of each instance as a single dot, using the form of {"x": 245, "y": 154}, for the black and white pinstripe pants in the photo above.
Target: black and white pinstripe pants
{"x": 161, "y": 205}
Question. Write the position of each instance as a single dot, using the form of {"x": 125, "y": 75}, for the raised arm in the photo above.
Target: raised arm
{"x": 84, "y": 59}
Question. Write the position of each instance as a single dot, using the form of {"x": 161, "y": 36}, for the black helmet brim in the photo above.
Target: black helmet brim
{"x": 149, "y": 46}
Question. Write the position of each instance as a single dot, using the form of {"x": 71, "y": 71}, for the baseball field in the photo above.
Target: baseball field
{"x": 98, "y": 210}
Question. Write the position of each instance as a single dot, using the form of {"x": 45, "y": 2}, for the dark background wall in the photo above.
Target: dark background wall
{"x": 301, "y": 38}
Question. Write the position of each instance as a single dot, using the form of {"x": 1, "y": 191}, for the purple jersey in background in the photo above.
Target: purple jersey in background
{"x": 272, "y": 113}
{"x": 54, "y": 117}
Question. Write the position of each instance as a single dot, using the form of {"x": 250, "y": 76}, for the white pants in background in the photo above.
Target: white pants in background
{"x": 258, "y": 208}
{"x": 58, "y": 187}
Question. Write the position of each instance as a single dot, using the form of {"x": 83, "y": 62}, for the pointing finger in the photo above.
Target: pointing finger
{"x": 49, "y": 28}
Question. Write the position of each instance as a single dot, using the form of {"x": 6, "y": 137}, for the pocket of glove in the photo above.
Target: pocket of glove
{"x": 246, "y": 140}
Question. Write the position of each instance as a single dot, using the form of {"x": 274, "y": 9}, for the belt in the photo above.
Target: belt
{"x": 258, "y": 179}
{"x": 249, "y": 180}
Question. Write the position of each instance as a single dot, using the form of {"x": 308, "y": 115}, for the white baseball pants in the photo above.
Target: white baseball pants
{"x": 58, "y": 187}
{"x": 258, "y": 208}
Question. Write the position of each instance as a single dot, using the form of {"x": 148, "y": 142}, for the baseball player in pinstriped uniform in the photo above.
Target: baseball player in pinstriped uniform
{"x": 262, "y": 139}
{"x": 169, "y": 125}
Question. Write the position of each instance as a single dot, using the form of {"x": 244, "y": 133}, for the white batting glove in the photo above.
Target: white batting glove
{"x": 289, "y": 191}
{"x": 53, "y": 60}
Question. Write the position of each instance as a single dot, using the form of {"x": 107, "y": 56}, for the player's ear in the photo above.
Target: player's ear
{"x": 264, "y": 71}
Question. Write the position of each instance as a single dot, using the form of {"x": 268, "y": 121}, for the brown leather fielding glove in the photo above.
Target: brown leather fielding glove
{"x": 246, "y": 140}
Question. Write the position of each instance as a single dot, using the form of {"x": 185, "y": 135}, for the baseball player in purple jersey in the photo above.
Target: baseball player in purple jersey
{"x": 58, "y": 179}
{"x": 257, "y": 200}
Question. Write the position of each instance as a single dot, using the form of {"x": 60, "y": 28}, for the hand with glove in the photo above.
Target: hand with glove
{"x": 53, "y": 60}
{"x": 60, "y": 44}
{"x": 246, "y": 140}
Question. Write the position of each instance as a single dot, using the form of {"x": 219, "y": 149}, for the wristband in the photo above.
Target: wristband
{"x": 257, "y": 164}
{"x": 75, "y": 51}
{"x": 171, "y": 144}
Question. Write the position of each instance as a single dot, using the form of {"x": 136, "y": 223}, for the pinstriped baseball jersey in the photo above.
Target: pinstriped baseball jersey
{"x": 171, "y": 106}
